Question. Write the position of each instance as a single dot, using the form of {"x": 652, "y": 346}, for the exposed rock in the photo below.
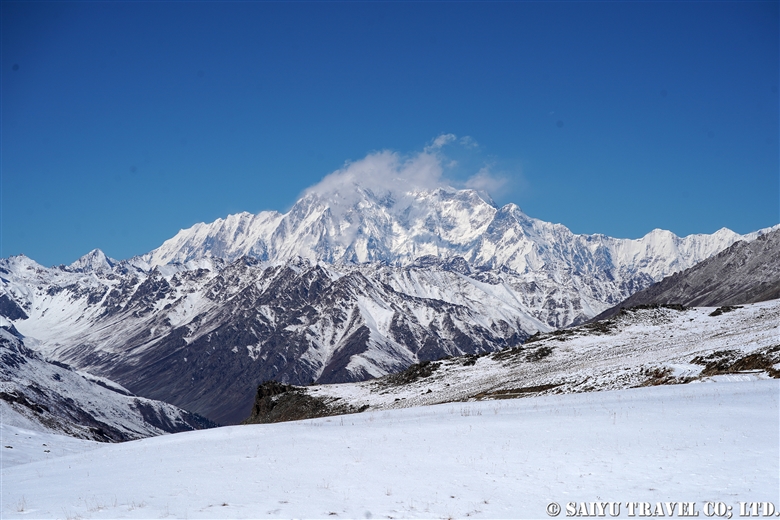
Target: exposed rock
{"x": 276, "y": 402}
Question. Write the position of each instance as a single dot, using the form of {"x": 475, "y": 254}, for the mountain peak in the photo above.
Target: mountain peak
{"x": 346, "y": 221}
{"x": 94, "y": 261}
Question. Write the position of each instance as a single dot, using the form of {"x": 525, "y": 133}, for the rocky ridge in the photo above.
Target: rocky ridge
{"x": 648, "y": 346}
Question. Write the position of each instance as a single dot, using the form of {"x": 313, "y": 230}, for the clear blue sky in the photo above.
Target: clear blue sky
{"x": 123, "y": 122}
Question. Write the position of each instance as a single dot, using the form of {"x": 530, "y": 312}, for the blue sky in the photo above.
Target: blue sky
{"x": 124, "y": 122}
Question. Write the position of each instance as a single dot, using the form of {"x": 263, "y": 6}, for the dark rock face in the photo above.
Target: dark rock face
{"x": 746, "y": 272}
{"x": 412, "y": 374}
{"x": 335, "y": 371}
{"x": 10, "y": 309}
{"x": 273, "y": 323}
{"x": 154, "y": 416}
{"x": 276, "y": 402}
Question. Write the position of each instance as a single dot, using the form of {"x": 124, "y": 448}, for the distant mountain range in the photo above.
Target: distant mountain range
{"x": 443, "y": 223}
{"x": 745, "y": 272}
{"x": 338, "y": 289}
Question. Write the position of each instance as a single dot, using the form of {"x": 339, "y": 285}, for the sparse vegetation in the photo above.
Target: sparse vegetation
{"x": 536, "y": 337}
{"x": 539, "y": 354}
{"x": 655, "y": 376}
{"x": 600, "y": 327}
{"x": 561, "y": 334}
{"x": 470, "y": 359}
{"x": 512, "y": 393}
{"x": 650, "y": 306}
{"x": 508, "y": 353}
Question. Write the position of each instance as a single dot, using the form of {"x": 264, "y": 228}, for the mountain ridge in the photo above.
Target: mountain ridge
{"x": 335, "y": 292}
{"x": 45, "y": 395}
{"x": 745, "y": 272}
{"x": 441, "y": 222}
{"x": 637, "y": 348}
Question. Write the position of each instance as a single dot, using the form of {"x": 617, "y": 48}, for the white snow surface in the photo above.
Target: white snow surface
{"x": 32, "y": 444}
{"x": 499, "y": 459}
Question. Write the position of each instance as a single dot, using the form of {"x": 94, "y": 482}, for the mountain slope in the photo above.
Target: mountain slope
{"x": 39, "y": 395}
{"x": 640, "y": 347}
{"x": 746, "y": 272}
{"x": 201, "y": 337}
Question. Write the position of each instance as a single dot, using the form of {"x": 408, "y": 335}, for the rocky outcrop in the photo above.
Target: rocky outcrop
{"x": 275, "y": 402}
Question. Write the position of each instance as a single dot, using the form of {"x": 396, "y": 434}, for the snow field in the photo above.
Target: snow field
{"x": 29, "y": 445}
{"x": 495, "y": 459}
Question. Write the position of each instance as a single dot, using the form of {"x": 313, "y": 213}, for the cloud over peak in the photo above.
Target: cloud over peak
{"x": 389, "y": 173}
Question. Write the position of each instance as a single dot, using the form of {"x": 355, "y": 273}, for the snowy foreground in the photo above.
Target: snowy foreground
{"x": 715, "y": 441}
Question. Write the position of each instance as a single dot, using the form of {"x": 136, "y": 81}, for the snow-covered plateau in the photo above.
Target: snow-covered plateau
{"x": 707, "y": 442}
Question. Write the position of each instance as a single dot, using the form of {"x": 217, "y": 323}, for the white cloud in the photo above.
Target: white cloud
{"x": 468, "y": 142}
{"x": 440, "y": 142}
{"x": 485, "y": 181}
{"x": 388, "y": 173}
{"x": 383, "y": 172}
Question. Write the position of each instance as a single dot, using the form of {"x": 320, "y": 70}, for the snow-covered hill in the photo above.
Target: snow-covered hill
{"x": 745, "y": 272}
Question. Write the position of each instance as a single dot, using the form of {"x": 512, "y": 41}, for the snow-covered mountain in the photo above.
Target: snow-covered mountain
{"x": 202, "y": 336}
{"x": 745, "y": 272}
{"x": 40, "y": 395}
{"x": 443, "y": 223}
{"x": 347, "y": 285}
{"x": 571, "y": 277}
